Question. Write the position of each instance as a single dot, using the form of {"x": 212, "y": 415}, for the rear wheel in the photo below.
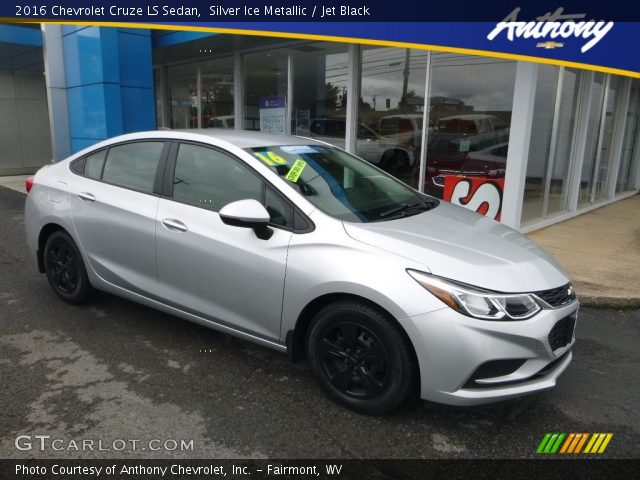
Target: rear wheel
{"x": 360, "y": 357}
{"x": 65, "y": 268}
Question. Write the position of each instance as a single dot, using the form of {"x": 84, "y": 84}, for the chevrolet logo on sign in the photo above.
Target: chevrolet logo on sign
{"x": 550, "y": 45}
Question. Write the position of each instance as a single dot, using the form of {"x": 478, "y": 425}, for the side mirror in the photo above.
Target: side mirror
{"x": 248, "y": 214}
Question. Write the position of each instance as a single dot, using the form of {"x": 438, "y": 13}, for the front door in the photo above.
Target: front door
{"x": 220, "y": 272}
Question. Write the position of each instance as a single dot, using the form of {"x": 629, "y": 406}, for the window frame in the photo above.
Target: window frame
{"x": 169, "y": 175}
{"x": 160, "y": 168}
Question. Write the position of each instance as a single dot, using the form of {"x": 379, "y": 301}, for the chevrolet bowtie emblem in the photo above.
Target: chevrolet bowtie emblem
{"x": 550, "y": 45}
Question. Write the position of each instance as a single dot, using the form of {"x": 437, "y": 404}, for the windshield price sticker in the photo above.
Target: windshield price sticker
{"x": 270, "y": 158}
{"x": 299, "y": 149}
{"x": 296, "y": 170}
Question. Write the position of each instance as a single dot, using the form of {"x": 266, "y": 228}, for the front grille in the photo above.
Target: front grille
{"x": 557, "y": 297}
{"x": 562, "y": 332}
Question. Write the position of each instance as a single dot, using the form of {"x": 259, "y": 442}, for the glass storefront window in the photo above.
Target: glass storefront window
{"x": 469, "y": 117}
{"x": 550, "y": 153}
{"x": 566, "y": 130}
{"x": 390, "y": 110}
{"x": 183, "y": 95}
{"x": 593, "y": 129}
{"x": 320, "y": 91}
{"x": 265, "y": 77}
{"x": 540, "y": 143}
{"x": 217, "y": 93}
{"x": 469, "y": 120}
{"x": 601, "y": 175}
{"x": 630, "y": 141}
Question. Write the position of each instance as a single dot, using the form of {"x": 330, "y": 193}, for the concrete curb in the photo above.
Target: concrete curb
{"x": 616, "y": 303}
{"x": 602, "y": 295}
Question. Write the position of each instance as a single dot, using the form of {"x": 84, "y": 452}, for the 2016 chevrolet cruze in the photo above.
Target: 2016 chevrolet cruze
{"x": 302, "y": 247}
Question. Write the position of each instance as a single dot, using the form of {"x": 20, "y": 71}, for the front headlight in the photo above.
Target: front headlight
{"x": 478, "y": 303}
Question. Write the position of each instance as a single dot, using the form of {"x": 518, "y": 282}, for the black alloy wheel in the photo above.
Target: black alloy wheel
{"x": 361, "y": 357}
{"x": 354, "y": 359}
{"x": 65, "y": 268}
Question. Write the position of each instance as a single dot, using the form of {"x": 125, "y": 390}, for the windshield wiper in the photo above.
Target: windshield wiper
{"x": 424, "y": 205}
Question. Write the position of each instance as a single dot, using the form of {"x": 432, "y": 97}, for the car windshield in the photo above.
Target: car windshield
{"x": 342, "y": 185}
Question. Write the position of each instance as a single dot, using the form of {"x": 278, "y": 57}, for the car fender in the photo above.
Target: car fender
{"x": 366, "y": 271}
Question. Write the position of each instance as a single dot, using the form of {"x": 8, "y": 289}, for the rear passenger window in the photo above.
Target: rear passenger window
{"x": 94, "y": 163}
{"x": 133, "y": 165}
{"x": 210, "y": 179}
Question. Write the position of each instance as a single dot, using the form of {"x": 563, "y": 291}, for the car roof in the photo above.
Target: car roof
{"x": 236, "y": 138}
{"x": 246, "y": 138}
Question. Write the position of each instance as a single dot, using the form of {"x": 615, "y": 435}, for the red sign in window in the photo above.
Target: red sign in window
{"x": 480, "y": 194}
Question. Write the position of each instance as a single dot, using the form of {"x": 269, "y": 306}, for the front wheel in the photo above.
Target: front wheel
{"x": 360, "y": 357}
{"x": 65, "y": 268}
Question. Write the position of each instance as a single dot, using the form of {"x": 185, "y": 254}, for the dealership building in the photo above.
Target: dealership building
{"x": 531, "y": 144}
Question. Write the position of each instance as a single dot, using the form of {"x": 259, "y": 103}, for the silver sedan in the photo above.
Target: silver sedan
{"x": 304, "y": 248}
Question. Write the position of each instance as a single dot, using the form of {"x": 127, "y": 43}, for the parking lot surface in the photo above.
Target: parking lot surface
{"x": 113, "y": 370}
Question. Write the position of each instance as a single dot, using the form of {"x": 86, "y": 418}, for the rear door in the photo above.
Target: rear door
{"x": 217, "y": 271}
{"x": 114, "y": 206}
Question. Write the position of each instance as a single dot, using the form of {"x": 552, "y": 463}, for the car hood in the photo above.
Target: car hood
{"x": 459, "y": 244}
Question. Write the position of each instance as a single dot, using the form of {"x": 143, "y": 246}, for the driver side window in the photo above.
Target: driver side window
{"x": 207, "y": 178}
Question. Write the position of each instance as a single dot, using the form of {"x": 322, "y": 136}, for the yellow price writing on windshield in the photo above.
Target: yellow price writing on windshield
{"x": 271, "y": 159}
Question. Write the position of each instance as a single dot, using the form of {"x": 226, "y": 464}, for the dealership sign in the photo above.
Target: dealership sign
{"x": 548, "y": 26}
{"x": 273, "y": 114}
{"x": 480, "y": 194}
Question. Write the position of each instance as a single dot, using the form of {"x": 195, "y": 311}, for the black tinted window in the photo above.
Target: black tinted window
{"x": 280, "y": 211}
{"x": 133, "y": 165}
{"x": 211, "y": 179}
{"x": 93, "y": 164}
{"x": 77, "y": 165}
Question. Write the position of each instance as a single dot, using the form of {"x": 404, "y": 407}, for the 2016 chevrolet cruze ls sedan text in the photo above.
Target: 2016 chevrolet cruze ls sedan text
{"x": 299, "y": 246}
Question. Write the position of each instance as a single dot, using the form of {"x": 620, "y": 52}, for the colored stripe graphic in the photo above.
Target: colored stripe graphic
{"x": 567, "y": 443}
{"x": 581, "y": 443}
{"x": 551, "y": 443}
{"x": 572, "y": 443}
{"x": 598, "y": 442}
{"x": 543, "y": 443}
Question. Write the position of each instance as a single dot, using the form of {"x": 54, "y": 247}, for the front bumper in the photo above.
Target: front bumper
{"x": 451, "y": 349}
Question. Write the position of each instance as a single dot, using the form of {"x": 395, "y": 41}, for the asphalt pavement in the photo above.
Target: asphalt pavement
{"x": 114, "y": 370}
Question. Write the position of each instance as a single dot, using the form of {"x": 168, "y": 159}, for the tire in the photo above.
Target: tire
{"x": 65, "y": 268}
{"x": 360, "y": 358}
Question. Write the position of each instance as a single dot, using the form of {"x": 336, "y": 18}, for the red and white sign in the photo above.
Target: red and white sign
{"x": 480, "y": 194}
